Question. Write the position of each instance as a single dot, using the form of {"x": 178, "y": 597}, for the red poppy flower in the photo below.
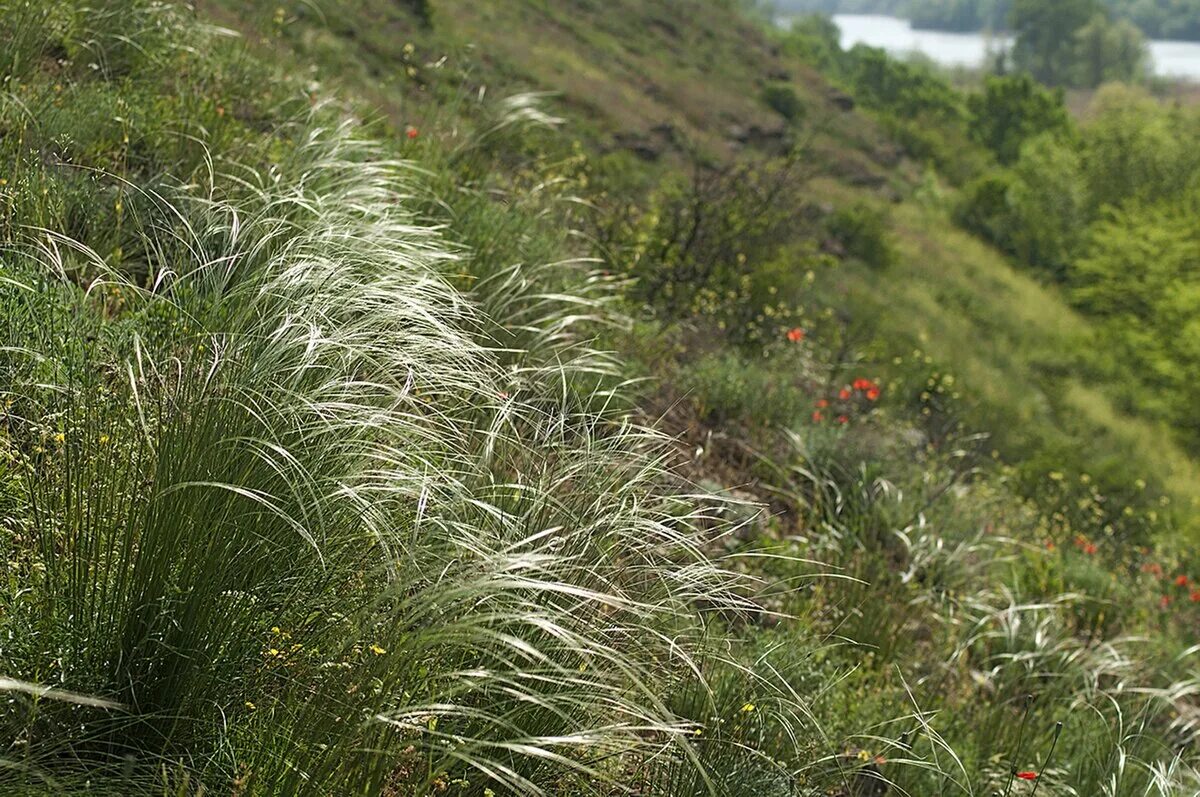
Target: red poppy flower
{"x": 873, "y": 394}
{"x": 863, "y": 384}
{"x": 412, "y": 132}
{"x": 818, "y": 417}
{"x": 1027, "y": 776}
{"x": 843, "y": 419}
{"x": 1181, "y": 581}
{"x": 1195, "y": 596}
{"x": 796, "y": 335}
{"x": 823, "y": 403}
{"x": 844, "y": 394}
{"x": 1090, "y": 549}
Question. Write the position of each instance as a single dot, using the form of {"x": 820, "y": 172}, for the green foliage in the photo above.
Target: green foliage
{"x": 906, "y": 90}
{"x": 861, "y": 231}
{"x": 316, "y": 478}
{"x": 1108, "y": 51}
{"x": 815, "y": 39}
{"x": 1138, "y": 275}
{"x": 1136, "y": 149}
{"x": 1046, "y": 35}
{"x": 1077, "y": 43}
{"x": 728, "y": 388}
{"x": 1011, "y": 110}
{"x": 1037, "y": 211}
{"x": 1179, "y": 19}
{"x": 708, "y": 246}
{"x": 782, "y": 99}
{"x": 293, "y": 515}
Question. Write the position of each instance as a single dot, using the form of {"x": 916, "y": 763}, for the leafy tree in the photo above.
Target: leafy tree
{"x": 816, "y": 39}
{"x": 1011, "y": 110}
{"x": 1035, "y": 211}
{"x": 907, "y": 90}
{"x": 1108, "y": 51}
{"x": 1141, "y": 275}
{"x": 1045, "y": 31}
{"x": 1048, "y": 201}
{"x": 1134, "y": 149}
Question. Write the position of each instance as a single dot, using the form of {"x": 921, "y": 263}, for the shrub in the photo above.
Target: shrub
{"x": 782, "y": 98}
{"x": 863, "y": 233}
{"x": 728, "y": 388}
{"x": 1011, "y": 110}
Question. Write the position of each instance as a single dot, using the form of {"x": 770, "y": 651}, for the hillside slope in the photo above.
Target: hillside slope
{"x": 665, "y": 82}
{"x": 615, "y": 410}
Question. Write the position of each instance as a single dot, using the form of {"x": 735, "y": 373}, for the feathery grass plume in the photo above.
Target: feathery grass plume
{"x": 283, "y": 517}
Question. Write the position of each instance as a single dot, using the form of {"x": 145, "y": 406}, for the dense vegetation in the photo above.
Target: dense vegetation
{"x": 793, "y": 426}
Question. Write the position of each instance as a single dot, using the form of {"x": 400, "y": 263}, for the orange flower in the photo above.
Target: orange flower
{"x": 412, "y": 132}
{"x": 1090, "y": 549}
{"x": 1050, "y": 545}
{"x": 796, "y": 335}
{"x": 817, "y": 417}
{"x": 1181, "y": 581}
{"x": 844, "y": 394}
{"x": 1195, "y": 596}
{"x": 843, "y": 419}
{"x": 823, "y": 403}
{"x": 863, "y": 384}
{"x": 873, "y": 394}
{"x": 1027, "y": 776}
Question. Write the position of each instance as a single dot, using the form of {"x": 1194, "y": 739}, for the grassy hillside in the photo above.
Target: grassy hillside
{"x": 617, "y": 409}
{"x": 668, "y": 86}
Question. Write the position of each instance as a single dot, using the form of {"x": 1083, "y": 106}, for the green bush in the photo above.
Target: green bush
{"x": 729, "y": 388}
{"x": 782, "y": 98}
{"x": 862, "y": 230}
{"x": 1011, "y": 110}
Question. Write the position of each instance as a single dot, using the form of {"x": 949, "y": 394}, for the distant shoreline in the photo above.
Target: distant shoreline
{"x": 1172, "y": 60}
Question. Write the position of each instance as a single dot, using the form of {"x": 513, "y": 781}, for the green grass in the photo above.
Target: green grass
{"x": 304, "y": 515}
{"x": 319, "y": 475}
{"x": 1029, "y": 369}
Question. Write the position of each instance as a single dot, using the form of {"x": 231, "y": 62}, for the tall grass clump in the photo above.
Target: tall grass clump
{"x": 287, "y": 510}
{"x": 301, "y": 496}
{"x": 281, "y": 513}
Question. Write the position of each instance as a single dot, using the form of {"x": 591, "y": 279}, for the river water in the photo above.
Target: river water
{"x": 1175, "y": 59}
